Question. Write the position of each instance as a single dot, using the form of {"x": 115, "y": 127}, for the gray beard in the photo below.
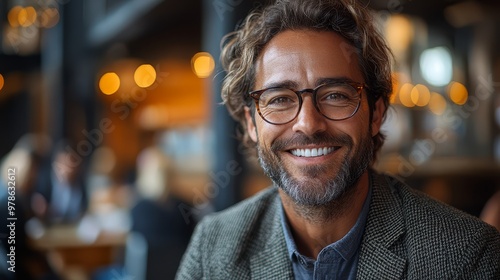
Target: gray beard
{"x": 310, "y": 193}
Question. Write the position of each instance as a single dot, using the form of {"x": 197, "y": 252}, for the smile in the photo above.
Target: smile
{"x": 316, "y": 152}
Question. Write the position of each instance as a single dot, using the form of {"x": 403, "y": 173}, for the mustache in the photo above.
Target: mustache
{"x": 320, "y": 139}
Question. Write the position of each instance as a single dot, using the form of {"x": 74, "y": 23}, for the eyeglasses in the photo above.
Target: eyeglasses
{"x": 336, "y": 101}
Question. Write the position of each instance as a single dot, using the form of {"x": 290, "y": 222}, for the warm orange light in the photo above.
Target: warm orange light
{"x": 399, "y": 33}
{"x": 2, "y": 81}
{"x": 458, "y": 93}
{"x": 395, "y": 86}
{"x": 405, "y": 95}
{"x": 27, "y": 16}
{"x": 420, "y": 95}
{"x": 49, "y": 17}
{"x": 203, "y": 64}
{"x": 145, "y": 75}
{"x": 437, "y": 103}
{"x": 109, "y": 83}
{"x": 13, "y": 16}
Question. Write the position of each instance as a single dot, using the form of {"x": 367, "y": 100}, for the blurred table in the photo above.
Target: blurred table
{"x": 75, "y": 258}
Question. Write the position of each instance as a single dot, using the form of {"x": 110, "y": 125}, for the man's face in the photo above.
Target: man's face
{"x": 337, "y": 153}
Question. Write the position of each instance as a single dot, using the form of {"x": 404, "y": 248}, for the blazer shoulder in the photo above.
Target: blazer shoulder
{"x": 246, "y": 210}
{"x": 434, "y": 228}
{"x": 423, "y": 211}
{"x": 223, "y": 241}
{"x": 239, "y": 221}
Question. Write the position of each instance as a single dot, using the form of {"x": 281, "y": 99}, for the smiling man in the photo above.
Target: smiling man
{"x": 309, "y": 81}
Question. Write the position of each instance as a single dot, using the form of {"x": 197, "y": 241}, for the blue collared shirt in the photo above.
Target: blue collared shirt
{"x": 338, "y": 260}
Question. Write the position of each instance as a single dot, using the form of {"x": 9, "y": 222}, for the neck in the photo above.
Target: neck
{"x": 315, "y": 227}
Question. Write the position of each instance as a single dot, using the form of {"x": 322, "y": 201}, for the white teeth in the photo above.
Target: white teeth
{"x": 312, "y": 152}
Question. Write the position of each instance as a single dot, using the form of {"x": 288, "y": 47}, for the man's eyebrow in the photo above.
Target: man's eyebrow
{"x": 321, "y": 81}
{"x": 294, "y": 85}
{"x": 285, "y": 84}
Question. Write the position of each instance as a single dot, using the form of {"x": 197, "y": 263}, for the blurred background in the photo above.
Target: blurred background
{"x": 111, "y": 123}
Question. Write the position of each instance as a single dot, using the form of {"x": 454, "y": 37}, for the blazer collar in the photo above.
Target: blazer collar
{"x": 385, "y": 225}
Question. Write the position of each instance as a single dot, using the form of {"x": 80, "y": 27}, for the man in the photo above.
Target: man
{"x": 309, "y": 82}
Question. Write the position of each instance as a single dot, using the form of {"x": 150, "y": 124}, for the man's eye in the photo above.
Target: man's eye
{"x": 278, "y": 97}
{"x": 280, "y": 100}
{"x": 336, "y": 96}
{"x": 337, "y": 99}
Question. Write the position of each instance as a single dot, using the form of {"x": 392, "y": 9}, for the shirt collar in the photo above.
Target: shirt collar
{"x": 346, "y": 246}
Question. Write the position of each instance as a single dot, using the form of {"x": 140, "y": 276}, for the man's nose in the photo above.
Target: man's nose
{"x": 309, "y": 120}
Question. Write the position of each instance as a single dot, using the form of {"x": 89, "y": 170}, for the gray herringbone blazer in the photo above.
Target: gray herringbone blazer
{"x": 407, "y": 236}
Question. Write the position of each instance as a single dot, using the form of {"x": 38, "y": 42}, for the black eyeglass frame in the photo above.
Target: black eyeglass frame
{"x": 255, "y": 95}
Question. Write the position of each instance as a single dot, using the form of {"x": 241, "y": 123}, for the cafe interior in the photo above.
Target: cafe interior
{"x": 114, "y": 133}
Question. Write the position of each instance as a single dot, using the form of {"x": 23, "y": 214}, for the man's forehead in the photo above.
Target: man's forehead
{"x": 299, "y": 53}
{"x": 301, "y": 40}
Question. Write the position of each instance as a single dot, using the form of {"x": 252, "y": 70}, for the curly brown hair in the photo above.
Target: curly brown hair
{"x": 348, "y": 18}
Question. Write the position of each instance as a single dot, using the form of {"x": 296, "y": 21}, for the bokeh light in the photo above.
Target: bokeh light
{"x": 49, "y": 17}
{"x": 420, "y": 95}
{"x": 395, "y": 86}
{"x": 13, "y": 16}
{"x": 203, "y": 64}
{"x": 27, "y": 16}
{"x": 405, "y": 95}
{"x": 2, "y": 81}
{"x": 458, "y": 93}
{"x": 436, "y": 66}
{"x": 109, "y": 83}
{"x": 145, "y": 75}
{"x": 437, "y": 104}
{"x": 399, "y": 32}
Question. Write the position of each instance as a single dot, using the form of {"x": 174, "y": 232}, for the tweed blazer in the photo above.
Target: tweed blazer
{"x": 407, "y": 236}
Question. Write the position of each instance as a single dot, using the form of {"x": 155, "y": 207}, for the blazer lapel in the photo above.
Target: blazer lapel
{"x": 271, "y": 262}
{"x": 384, "y": 227}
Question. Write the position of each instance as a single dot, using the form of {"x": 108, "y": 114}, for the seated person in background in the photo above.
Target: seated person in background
{"x": 19, "y": 175}
{"x": 309, "y": 81}
{"x": 164, "y": 220}
{"x": 157, "y": 220}
{"x": 61, "y": 195}
{"x": 156, "y": 215}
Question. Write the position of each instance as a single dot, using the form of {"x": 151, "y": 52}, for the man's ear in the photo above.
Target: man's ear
{"x": 251, "y": 129}
{"x": 378, "y": 116}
